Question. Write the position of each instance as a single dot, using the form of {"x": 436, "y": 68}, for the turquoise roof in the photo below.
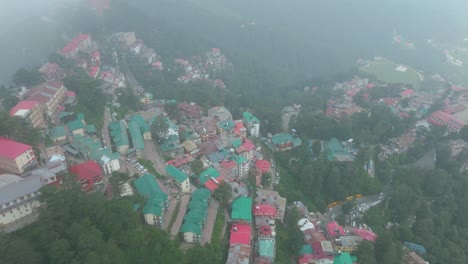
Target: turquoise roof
{"x": 199, "y": 205}
{"x": 267, "y": 247}
{"x": 135, "y": 135}
{"x": 201, "y": 194}
{"x": 239, "y": 159}
{"x": 306, "y": 249}
{"x": 249, "y": 118}
{"x": 343, "y": 258}
{"x": 227, "y": 125}
{"x": 177, "y": 174}
{"x": 191, "y": 227}
{"x": 118, "y": 132}
{"x": 242, "y": 209}
{"x": 144, "y": 127}
{"x": 75, "y": 125}
{"x": 65, "y": 114}
{"x": 208, "y": 174}
{"x": 58, "y": 131}
{"x": 91, "y": 129}
{"x": 80, "y": 116}
{"x": 237, "y": 142}
{"x": 170, "y": 144}
{"x": 280, "y": 139}
{"x": 85, "y": 145}
{"x": 102, "y": 154}
{"x": 146, "y": 185}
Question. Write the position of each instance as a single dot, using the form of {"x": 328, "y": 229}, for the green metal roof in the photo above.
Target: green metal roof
{"x": 249, "y": 118}
{"x": 306, "y": 249}
{"x": 196, "y": 216}
{"x": 242, "y": 209}
{"x": 197, "y": 204}
{"x": 75, "y": 125}
{"x": 191, "y": 227}
{"x": 208, "y": 174}
{"x": 280, "y": 139}
{"x": 237, "y": 142}
{"x": 80, "y": 116}
{"x": 118, "y": 133}
{"x": 201, "y": 194}
{"x": 144, "y": 127}
{"x": 156, "y": 204}
{"x": 227, "y": 125}
{"x": 177, "y": 174}
{"x": 91, "y": 129}
{"x": 102, "y": 154}
{"x": 146, "y": 185}
{"x": 170, "y": 144}
{"x": 343, "y": 258}
{"x": 266, "y": 247}
{"x": 58, "y": 131}
{"x": 297, "y": 142}
{"x": 85, "y": 144}
{"x": 136, "y": 136}
{"x": 65, "y": 114}
{"x": 239, "y": 159}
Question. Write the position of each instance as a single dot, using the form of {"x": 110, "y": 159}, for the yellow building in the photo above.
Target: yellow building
{"x": 15, "y": 157}
{"x": 31, "y": 111}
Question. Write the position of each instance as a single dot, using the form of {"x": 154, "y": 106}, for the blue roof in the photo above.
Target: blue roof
{"x": 415, "y": 247}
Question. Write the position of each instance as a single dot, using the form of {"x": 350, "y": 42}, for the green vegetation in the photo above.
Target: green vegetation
{"x": 289, "y": 238}
{"x": 150, "y": 167}
{"x": 386, "y": 72}
{"x": 91, "y": 99}
{"x": 223, "y": 193}
{"x": 18, "y": 129}
{"x": 24, "y": 77}
{"x": 218, "y": 228}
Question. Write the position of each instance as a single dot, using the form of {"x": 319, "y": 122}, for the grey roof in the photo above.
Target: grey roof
{"x": 20, "y": 188}
{"x": 13, "y": 187}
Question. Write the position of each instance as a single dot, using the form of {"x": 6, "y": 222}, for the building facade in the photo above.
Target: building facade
{"x": 15, "y": 157}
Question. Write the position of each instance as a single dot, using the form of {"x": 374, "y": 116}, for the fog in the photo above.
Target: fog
{"x": 332, "y": 32}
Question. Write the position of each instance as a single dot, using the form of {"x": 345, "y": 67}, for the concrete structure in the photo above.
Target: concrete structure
{"x": 274, "y": 199}
{"x": 252, "y": 123}
{"x": 181, "y": 179}
{"x": 220, "y": 113}
{"x": 31, "y": 111}
{"x": 15, "y": 157}
{"x": 211, "y": 178}
{"x": 49, "y": 94}
{"x": 242, "y": 165}
{"x": 145, "y": 128}
{"x": 261, "y": 167}
{"x": 439, "y": 118}
{"x": 77, "y": 127}
{"x": 157, "y": 201}
{"x": 82, "y": 42}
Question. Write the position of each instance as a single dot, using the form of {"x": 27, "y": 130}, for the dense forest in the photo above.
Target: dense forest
{"x": 76, "y": 227}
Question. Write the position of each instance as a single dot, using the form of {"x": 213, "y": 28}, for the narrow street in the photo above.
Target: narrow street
{"x": 151, "y": 153}
{"x": 169, "y": 212}
{"x": 207, "y": 231}
{"x": 184, "y": 200}
{"x": 105, "y": 128}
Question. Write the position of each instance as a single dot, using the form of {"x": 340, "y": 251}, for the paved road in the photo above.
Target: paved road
{"x": 152, "y": 153}
{"x": 207, "y": 231}
{"x": 169, "y": 212}
{"x": 105, "y": 128}
{"x": 184, "y": 200}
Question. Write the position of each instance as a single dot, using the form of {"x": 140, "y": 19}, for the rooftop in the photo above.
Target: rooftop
{"x": 58, "y": 131}
{"x": 146, "y": 185}
{"x": 12, "y": 149}
{"x": 242, "y": 209}
{"x": 279, "y": 139}
{"x": 263, "y": 165}
{"x": 135, "y": 135}
{"x": 249, "y": 118}
{"x": 208, "y": 174}
{"x": 23, "y": 105}
{"x": 264, "y": 209}
{"x": 86, "y": 170}
{"x": 240, "y": 234}
{"x": 177, "y": 174}
{"x": 266, "y": 247}
{"x": 118, "y": 132}
{"x": 76, "y": 125}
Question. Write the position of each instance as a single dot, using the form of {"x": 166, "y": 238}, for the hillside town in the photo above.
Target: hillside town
{"x": 179, "y": 155}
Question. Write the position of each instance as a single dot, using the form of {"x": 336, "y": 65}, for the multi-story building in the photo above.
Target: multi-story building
{"x": 220, "y": 113}
{"x": 15, "y": 157}
{"x": 252, "y": 123}
{"x": 195, "y": 218}
{"x": 89, "y": 174}
{"x": 82, "y": 42}
{"x": 261, "y": 167}
{"x": 157, "y": 201}
{"x": 440, "y": 118}
{"x": 31, "y": 111}
{"x": 242, "y": 165}
{"x": 181, "y": 179}
{"x": 49, "y": 94}
{"x": 118, "y": 132}
{"x": 18, "y": 195}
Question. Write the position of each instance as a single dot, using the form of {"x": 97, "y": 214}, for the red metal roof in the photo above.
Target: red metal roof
{"x": 264, "y": 210}
{"x": 212, "y": 185}
{"x": 390, "y": 101}
{"x": 12, "y": 149}
{"x": 74, "y": 43}
{"x": 228, "y": 164}
{"x": 265, "y": 231}
{"x": 71, "y": 94}
{"x": 333, "y": 229}
{"x": 365, "y": 234}
{"x": 240, "y": 234}
{"x": 446, "y": 120}
{"x": 263, "y": 165}
{"x": 93, "y": 72}
{"x": 407, "y": 92}
{"x": 87, "y": 170}
{"x": 27, "y": 105}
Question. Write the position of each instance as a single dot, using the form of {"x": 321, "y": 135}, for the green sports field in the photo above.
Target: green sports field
{"x": 390, "y": 72}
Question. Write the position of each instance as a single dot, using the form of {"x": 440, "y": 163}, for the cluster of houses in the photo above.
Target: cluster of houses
{"x": 127, "y": 41}
{"x": 252, "y": 235}
{"x": 195, "y": 68}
